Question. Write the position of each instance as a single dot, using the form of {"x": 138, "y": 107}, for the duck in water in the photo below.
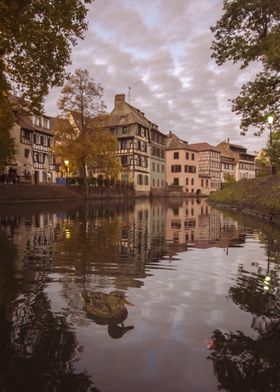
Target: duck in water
{"x": 108, "y": 309}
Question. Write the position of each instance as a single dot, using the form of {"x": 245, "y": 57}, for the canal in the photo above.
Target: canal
{"x": 137, "y": 295}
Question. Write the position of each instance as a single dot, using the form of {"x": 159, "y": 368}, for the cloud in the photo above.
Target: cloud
{"x": 162, "y": 50}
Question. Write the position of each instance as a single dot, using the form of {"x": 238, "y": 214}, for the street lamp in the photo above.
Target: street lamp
{"x": 66, "y": 164}
{"x": 270, "y": 120}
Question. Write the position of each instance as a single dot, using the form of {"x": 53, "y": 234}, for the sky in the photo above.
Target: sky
{"x": 161, "y": 49}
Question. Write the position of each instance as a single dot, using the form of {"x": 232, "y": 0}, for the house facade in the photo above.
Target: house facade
{"x": 209, "y": 166}
{"x": 245, "y": 162}
{"x": 140, "y": 147}
{"x": 34, "y": 159}
{"x": 182, "y": 166}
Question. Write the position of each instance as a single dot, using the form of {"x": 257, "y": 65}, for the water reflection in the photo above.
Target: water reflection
{"x": 241, "y": 361}
{"x": 67, "y": 275}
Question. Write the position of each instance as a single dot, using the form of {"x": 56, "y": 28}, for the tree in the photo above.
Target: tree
{"x": 229, "y": 179}
{"x": 7, "y": 149}
{"x": 35, "y": 46}
{"x": 249, "y": 31}
{"x": 36, "y": 39}
{"x": 273, "y": 149}
{"x": 82, "y": 135}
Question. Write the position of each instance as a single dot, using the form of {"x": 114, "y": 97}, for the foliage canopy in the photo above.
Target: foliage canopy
{"x": 249, "y": 31}
{"x": 82, "y": 135}
{"x": 35, "y": 44}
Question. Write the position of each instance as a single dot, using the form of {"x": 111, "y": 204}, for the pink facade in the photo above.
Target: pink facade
{"x": 182, "y": 168}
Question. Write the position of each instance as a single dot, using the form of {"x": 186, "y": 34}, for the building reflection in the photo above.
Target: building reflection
{"x": 192, "y": 223}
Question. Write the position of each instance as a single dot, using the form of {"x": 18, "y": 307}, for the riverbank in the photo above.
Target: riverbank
{"x": 257, "y": 197}
{"x": 22, "y": 193}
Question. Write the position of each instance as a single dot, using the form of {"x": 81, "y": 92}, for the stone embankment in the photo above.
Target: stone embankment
{"x": 19, "y": 193}
{"x": 258, "y": 197}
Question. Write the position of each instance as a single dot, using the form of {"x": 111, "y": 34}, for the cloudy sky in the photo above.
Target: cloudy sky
{"x": 161, "y": 49}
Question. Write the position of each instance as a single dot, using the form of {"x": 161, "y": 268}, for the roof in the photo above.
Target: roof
{"x": 174, "y": 143}
{"x": 24, "y": 119}
{"x": 128, "y": 114}
{"x": 203, "y": 147}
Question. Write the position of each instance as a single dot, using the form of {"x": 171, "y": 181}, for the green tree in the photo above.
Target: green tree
{"x": 229, "y": 178}
{"x": 7, "y": 149}
{"x": 82, "y": 135}
{"x": 249, "y": 31}
{"x": 36, "y": 38}
{"x": 273, "y": 149}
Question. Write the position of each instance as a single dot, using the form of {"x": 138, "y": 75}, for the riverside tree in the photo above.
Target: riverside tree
{"x": 7, "y": 147}
{"x": 36, "y": 38}
{"x": 249, "y": 31}
{"x": 81, "y": 134}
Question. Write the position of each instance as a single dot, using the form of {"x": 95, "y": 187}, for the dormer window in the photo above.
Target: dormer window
{"x": 42, "y": 122}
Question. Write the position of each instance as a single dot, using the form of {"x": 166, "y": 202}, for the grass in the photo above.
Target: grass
{"x": 260, "y": 194}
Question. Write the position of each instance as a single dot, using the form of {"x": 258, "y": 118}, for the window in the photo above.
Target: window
{"x": 26, "y": 153}
{"x": 41, "y": 157}
{"x": 158, "y": 167}
{"x": 124, "y": 130}
{"x": 153, "y": 166}
{"x": 146, "y": 180}
{"x": 138, "y": 130}
{"x": 124, "y": 160}
{"x": 123, "y": 144}
{"x": 176, "y": 155}
{"x": 175, "y": 181}
{"x": 187, "y": 181}
{"x": 190, "y": 169}
{"x": 187, "y": 155}
{"x": 192, "y": 157}
{"x": 175, "y": 168}
{"x": 176, "y": 224}
{"x": 140, "y": 179}
{"x": 162, "y": 168}
{"x": 202, "y": 183}
{"x": 138, "y": 145}
{"x": 192, "y": 181}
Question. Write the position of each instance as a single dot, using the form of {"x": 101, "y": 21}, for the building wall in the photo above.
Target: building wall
{"x": 210, "y": 168}
{"x": 34, "y": 155}
{"x": 182, "y": 170}
{"x": 157, "y": 161}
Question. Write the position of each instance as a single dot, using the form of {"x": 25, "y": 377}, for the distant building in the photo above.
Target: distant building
{"x": 245, "y": 162}
{"x": 141, "y": 147}
{"x": 34, "y": 160}
{"x": 228, "y": 166}
{"x": 209, "y": 165}
{"x": 182, "y": 167}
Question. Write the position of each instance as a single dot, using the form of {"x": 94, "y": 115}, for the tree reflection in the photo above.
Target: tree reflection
{"x": 38, "y": 346}
{"x": 252, "y": 363}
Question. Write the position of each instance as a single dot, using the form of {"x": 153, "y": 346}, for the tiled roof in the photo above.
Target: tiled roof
{"x": 174, "y": 143}
{"x": 203, "y": 147}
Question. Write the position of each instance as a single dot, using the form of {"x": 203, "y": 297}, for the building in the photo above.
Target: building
{"x": 228, "y": 166}
{"x": 33, "y": 161}
{"x": 245, "y": 162}
{"x": 141, "y": 147}
{"x": 182, "y": 167}
{"x": 209, "y": 166}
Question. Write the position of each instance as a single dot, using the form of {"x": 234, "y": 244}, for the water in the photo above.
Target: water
{"x": 204, "y": 285}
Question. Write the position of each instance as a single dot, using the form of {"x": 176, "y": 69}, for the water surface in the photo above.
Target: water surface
{"x": 204, "y": 285}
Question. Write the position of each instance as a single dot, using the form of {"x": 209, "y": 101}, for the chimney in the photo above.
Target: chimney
{"x": 119, "y": 100}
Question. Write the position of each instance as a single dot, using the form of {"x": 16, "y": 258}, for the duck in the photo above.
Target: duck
{"x": 106, "y": 308}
